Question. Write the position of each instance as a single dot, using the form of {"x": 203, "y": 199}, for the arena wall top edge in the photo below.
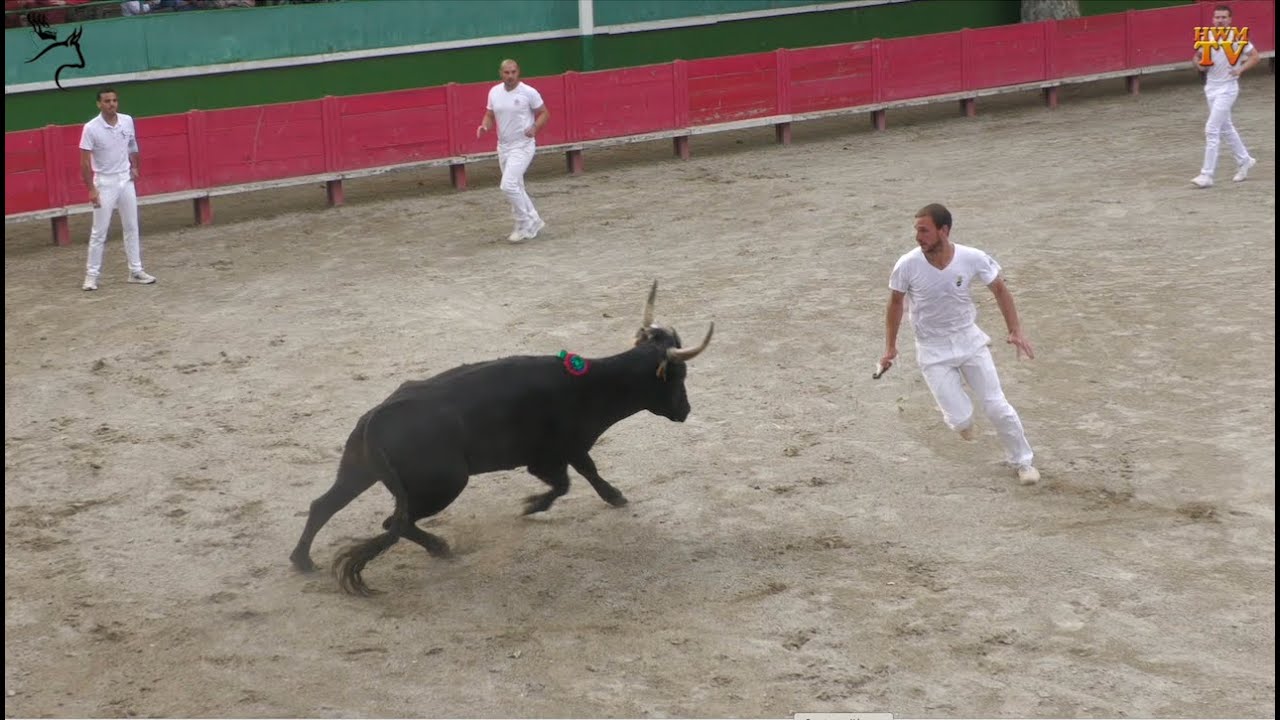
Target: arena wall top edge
{"x": 171, "y": 62}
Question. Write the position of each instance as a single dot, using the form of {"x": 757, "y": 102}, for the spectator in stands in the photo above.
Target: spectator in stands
{"x": 109, "y": 167}
{"x": 519, "y": 113}
{"x": 935, "y": 278}
{"x": 137, "y": 7}
{"x": 13, "y": 13}
{"x": 1221, "y": 88}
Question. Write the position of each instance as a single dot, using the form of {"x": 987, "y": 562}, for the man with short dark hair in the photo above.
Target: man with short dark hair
{"x": 950, "y": 347}
{"x": 1221, "y": 88}
{"x": 109, "y": 166}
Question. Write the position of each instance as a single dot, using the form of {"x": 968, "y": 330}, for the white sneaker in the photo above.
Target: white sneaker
{"x": 90, "y": 283}
{"x": 1202, "y": 181}
{"x": 533, "y": 230}
{"x": 1243, "y": 172}
{"x": 141, "y": 278}
{"x": 1028, "y": 475}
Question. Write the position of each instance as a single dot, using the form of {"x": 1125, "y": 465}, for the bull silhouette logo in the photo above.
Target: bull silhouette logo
{"x": 41, "y": 26}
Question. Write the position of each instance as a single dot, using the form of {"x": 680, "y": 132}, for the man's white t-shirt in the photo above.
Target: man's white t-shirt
{"x": 1219, "y": 74}
{"x": 515, "y": 112}
{"x": 110, "y": 145}
{"x": 943, "y": 314}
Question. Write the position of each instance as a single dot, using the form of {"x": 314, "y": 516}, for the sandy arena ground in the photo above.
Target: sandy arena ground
{"x": 810, "y": 540}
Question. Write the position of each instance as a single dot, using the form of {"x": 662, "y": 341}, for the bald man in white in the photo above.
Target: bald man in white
{"x": 108, "y": 166}
{"x": 519, "y": 113}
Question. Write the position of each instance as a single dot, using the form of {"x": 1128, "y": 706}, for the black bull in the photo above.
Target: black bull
{"x": 541, "y": 412}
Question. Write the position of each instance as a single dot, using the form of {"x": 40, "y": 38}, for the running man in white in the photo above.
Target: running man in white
{"x": 108, "y": 166}
{"x": 950, "y": 347}
{"x": 1221, "y": 87}
{"x": 519, "y": 113}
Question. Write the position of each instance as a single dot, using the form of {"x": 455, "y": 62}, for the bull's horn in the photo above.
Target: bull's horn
{"x": 687, "y": 354}
{"x": 648, "y": 306}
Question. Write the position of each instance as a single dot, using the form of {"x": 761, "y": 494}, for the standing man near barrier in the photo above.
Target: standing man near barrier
{"x": 950, "y": 347}
{"x": 109, "y": 166}
{"x": 519, "y": 113}
{"x": 1221, "y": 88}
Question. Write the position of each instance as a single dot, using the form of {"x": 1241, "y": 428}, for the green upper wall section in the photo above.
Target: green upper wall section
{"x": 920, "y": 17}
{"x": 623, "y": 12}
{"x": 233, "y": 35}
{"x": 184, "y": 39}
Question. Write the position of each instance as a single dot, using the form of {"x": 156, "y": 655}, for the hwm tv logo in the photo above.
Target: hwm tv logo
{"x": 1229, "y": 40}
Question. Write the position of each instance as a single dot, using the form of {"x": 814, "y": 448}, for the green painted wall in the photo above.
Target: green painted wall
{"x": 1102, "y": 7}
{"x": 173, "y": 40}
{"x": 802, "y": 30}
{"x": 620, "y": 12}
{"x": 305, "y": 82}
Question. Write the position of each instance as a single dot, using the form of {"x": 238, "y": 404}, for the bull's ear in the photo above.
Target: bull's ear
{"x": 662, "y": 370}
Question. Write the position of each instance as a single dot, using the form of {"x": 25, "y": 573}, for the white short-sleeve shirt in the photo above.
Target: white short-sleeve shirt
{"x": 943, "y": 314}
{"x": 515, "y": 111}
{"x": 110, "y": 145}
{"x": 1219, "y": 74}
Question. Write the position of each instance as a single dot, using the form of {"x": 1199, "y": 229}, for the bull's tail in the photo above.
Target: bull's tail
{"x": 349, "y": 563}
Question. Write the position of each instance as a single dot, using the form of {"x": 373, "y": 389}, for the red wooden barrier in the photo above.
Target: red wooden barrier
{"x": 394, "y": 127}
{"x": 26, "y": 184}
{"x": 630, "y": 101}
{"x": 1092, "y": 45}
{"x": 198, "y": 152}
{"x": 267, "y": 142}
{"x": 916, "y": 67}
{"x": 836, "y": 76}
{"x": 729, "y": 89}
{"x": 167, "y": 166}
{"x": 1001, "y": 56}
{"x": 1163, "y": 37}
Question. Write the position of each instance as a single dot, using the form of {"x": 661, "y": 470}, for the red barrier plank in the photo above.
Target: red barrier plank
{"x": 387, "y": 138}
{"x": 830, "y": 77}
{"x": 732, "y": 88}
{"x": 268, "y": 142}
{"x": 1007, "y": 55}
{"x": 26, "y": 184}
{"x": 472, "y": 98}
{"x": 390, "y": 128}
{"x": 67, "y": 186}
{"x": 630, "y": 101}
{"x": 1088, "y": 45}
{"x": 165, "y": 155}
{"x": 914, "y": 67}
{"x": 1158, "y": 37}
{"x": 23, "y": 151}
{"x": 552, "y": 90}
{"x": 165, "y": 165}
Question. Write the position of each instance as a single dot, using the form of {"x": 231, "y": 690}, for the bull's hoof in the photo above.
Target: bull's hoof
{"x": 617, "y": 501}
{"x": 438, "y": 548}
{"x": 536, "y": 504}
{"x": 302, "y": 563}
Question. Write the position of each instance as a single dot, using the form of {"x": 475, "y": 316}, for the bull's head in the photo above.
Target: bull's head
{"x": 668, "y": 398}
